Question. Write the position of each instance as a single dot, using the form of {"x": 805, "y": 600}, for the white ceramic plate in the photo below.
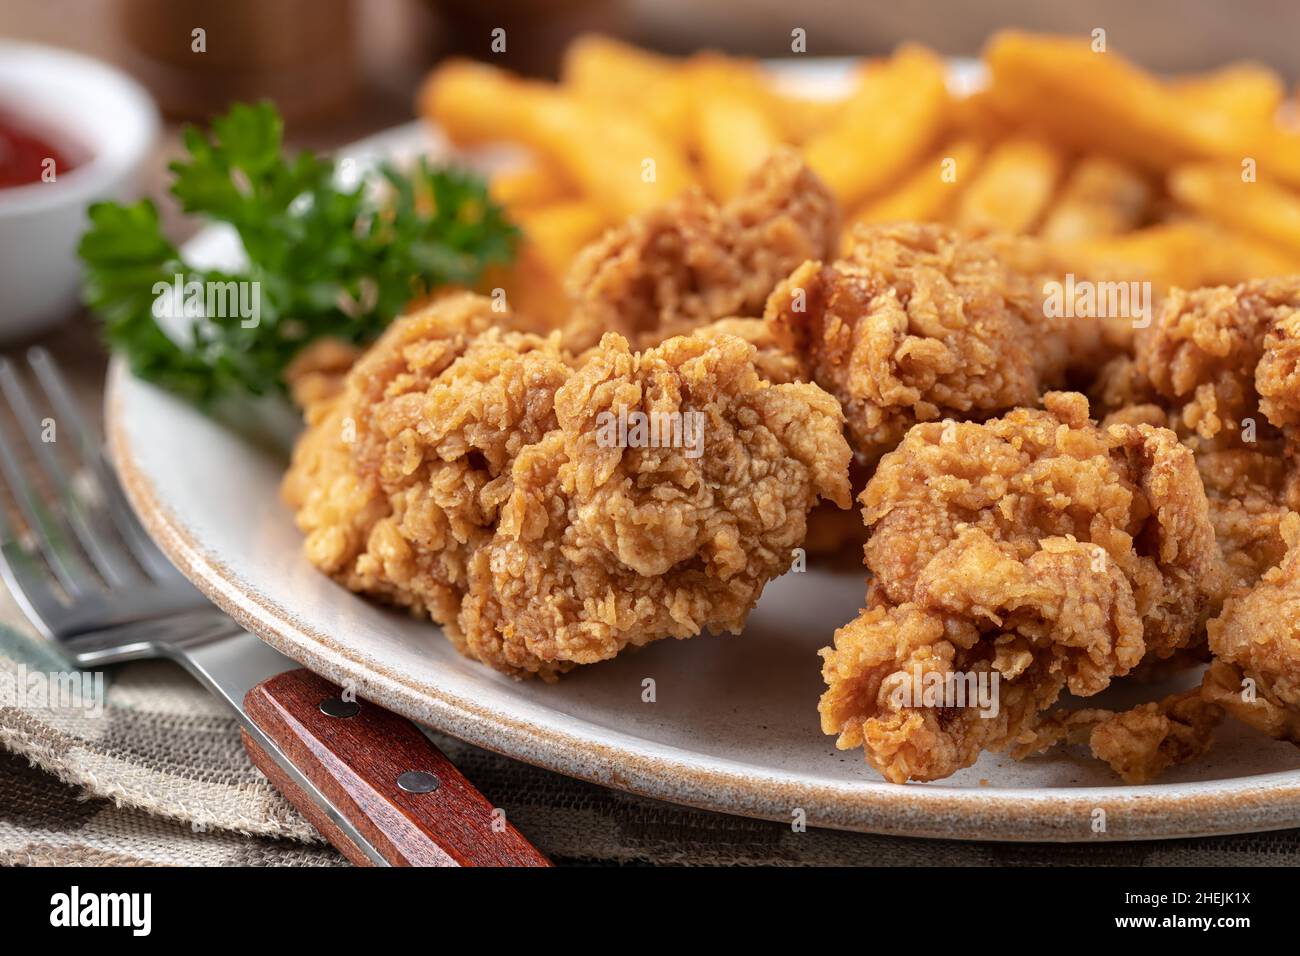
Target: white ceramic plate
{"x": 734, "y": 726}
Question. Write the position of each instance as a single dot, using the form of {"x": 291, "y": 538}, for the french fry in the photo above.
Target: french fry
{"x": 1187, "y": 253}
{"x": 1101, "y": 197}
{"x": 800, "y": 118}
{"x": 598, "y": 61}
{"x": 560, "y": 229}
{"x": 1278, "y": 154}
{"x": 1013, "y": 187}
{"x": 931, "y": 192}
{"x": 622, "y": 76}
{"x": 1258, "y": 208}
{"x": 1249, "y": 90}
{"x": 621, "y": 163}
{"x": 796, "y": 118}
{"x": 1229, "y": 257}
{"x": 475, "y": 104}
{"x": 733, "y": 135}
{"x": 1099, "y": 101}
{"x": 979, "y": 115}
{"x": 890, "y": 122}
{"x": 529, "y": 185}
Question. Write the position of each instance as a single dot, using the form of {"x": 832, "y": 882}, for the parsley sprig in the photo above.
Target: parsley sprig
{"x": 329, "y": 261}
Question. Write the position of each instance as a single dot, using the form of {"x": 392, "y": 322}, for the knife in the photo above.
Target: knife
{"x": 369, "y": 780}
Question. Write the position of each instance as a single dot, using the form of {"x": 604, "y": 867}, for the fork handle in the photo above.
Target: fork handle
{"x": 375, "y": 768}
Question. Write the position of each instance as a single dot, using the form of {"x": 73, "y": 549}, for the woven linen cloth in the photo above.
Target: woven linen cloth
{"x": 158, "y": 776}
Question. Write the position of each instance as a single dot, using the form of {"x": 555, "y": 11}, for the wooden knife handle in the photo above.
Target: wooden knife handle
{"x": 356, "y": 761}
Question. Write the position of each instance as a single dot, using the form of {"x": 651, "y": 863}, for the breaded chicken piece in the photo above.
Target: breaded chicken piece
{"x": 839, "y": 534}
{"x": 773, "y": 362}
{"x": 1119, "y": 393}
{"x": 398, "y": 482}
{"x": 1225, "y": 355}
{"x": 1250, "y": 491}
{"x": 692, "y": 262}
{"x": 1035, "y": 548}
{"x": 1222, "y": 363}
{"x": 316, "y": 373}
{"x": 1139, "y": 744}
{"x": 472, "y": 474}
{"x": 918, "y": 323}
{"x": 1255, "y": 675}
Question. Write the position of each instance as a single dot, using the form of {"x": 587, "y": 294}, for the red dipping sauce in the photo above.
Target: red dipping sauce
{"x": 24, "y": 155}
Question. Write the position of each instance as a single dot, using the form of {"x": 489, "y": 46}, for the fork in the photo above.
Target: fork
{"x": 91, "y": 581}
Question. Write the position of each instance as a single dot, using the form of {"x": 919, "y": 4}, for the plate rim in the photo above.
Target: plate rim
{"x": 1235, "y": 805}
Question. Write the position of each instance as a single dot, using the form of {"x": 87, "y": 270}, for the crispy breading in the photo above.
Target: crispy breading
{"x": 1119, "y": 392}
{"x": 1250, "y": 491}
{"x": 1036, "y": 547}
{"x": 691, "y": 261}
{"x": 773, "y": 362}
{"x": 1226, "y": 354}
{"x": 1139, "y": 744}
{"x": 316, "y": 373}
{"x": 918, "y": 323}
{"x": 837, "y": 534}
{"x": 464, "y": 473}
{"x": 1256, "y": 644}
{"x": 1219, "y": 363}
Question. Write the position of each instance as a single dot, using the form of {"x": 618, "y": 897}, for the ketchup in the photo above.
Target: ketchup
{"x": 23, "y": 155}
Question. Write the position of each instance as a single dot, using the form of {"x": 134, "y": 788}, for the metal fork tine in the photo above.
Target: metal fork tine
{"x": 96, "y": 539}
{"x": 29, "y": 581}
{"x": 68, "y": 411}
{"x": 67, "y": 565}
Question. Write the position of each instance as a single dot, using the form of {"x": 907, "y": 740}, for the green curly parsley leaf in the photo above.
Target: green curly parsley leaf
{"x": 327, "y": 261}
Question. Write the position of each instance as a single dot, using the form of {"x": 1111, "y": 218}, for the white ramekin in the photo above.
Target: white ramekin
{"x": 94, "y": 112}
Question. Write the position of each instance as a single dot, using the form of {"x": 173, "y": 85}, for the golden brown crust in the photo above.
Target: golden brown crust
{"x": 1256, "y": 645}
{"x": 918, "y": 323}
{"x": 1035, "y": 546}
{"x": 464, "y": 474}
{"x": 1139, "y": 744}
{"x": 1218, "y": 366}
{"x": 1224, "y": 355}
{"x": 773, "y": 362}
{"x": 316, "y": 373}
{"x": 691, "y": 262}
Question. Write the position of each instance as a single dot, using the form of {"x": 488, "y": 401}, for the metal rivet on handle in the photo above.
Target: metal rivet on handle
{"x": 418, "y": 781}
{"x": 338, "y": 707}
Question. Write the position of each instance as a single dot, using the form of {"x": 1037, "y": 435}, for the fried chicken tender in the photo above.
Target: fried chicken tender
{"x": 691, "y": 262}
{"x": 1139, "y": 744}
{"x": 1035, "y": 549}
{"x": 1222, "y": 363}
{"x": 464, "y": 473}
{"x": 773, "y": 362}
{"x": 1255, "y": 675}
{"x": 316, "y": 373}
{"x": 1225, "y": 354}
{"x": 919, "y": 322}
